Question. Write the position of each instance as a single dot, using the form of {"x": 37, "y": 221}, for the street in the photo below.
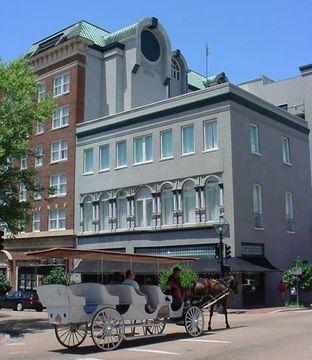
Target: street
{"x": 275, "y": 333}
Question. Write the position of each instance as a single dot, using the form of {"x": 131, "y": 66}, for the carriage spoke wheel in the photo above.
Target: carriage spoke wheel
{"x": 194, "y": 321}
{"x": 107, "y": 329}
{"x": 155, "y": 327}
{"x": 71, "y": 335}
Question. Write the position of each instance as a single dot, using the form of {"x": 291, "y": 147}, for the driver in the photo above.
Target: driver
{"x": 175, "y": 288}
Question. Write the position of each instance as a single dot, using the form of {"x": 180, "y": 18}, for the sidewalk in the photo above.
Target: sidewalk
{"x": 267, "y": 310}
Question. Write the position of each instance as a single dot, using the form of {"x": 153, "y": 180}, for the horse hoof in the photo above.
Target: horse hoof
{"x": 228, "y": 327}
{"x": 209, "y": 328}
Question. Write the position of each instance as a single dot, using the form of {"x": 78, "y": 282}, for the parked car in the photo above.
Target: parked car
{"x": 20, "y": 300}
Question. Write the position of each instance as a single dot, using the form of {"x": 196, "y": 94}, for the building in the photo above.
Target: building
{"x": 150, "y": 178}
{"x": 292, "y": 95}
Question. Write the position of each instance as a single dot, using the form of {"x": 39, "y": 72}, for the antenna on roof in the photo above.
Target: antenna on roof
{"x": 206, "y": 55}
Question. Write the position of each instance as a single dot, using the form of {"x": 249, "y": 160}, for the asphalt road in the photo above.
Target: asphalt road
{"x": 263, "y": 334}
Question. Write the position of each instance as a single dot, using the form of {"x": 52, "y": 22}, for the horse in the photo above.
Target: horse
{"x": 208, "y": 289}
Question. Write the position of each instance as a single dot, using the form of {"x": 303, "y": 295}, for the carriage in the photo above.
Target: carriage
{"x": 113, "y": 313}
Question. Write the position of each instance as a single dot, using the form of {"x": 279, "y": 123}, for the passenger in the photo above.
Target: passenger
{"x": 175, "y": 288}
{"x": 116, "y": 278}
{"x": 129, "y": 280}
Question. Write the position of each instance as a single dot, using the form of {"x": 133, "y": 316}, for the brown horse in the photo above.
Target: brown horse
{"x": 209, "y": 289}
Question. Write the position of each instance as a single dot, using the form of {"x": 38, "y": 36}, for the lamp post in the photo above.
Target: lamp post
{"x": 221, "y": 228}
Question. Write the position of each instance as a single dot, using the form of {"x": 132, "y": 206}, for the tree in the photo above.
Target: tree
{"x": 305, "y": 280}
{"x": 187, "y": 277}
{"x": 5, "y": 284}
{"x": 19, "y": 113}
{"x": 57, "y": 275}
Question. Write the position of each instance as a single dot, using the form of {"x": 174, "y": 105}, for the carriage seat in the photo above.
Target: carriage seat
{"x": 155, "y": 294}
{"x": 58, "y": 296}
{"x": 94, "y": 293}
{"x": 127, "y": 294}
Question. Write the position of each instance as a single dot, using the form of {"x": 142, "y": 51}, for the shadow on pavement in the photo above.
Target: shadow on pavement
{"x": 19, "y": 327}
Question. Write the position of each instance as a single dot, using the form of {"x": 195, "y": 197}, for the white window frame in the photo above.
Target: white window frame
{"x": 260, "y": 206}
{"x": 36, "y": 221}
{"x": 62, "y": 85}
{"x": 85, "y": 162}
{"x": 58, "y": 184}
{"x": 215, "y": 136}
{"x": 24, "y": 161}
{"x": 100, "y": 157}
{"x": 39, "y": 128}
{"x": 285, "y": 140}
{"x": 22, "y": 193}
{"x": 41, "y": 91}
{"x": 257, "y": 150}
{"x": 162, "y": 157}
{"x": 61, "y": 115}
{"x": 143, "y": 138}
{"x": 182, "y": 130}
{"x": 175, "y": 69}
{"x": 37, "y": 194}
{"x": 124, "y": 165}
{"x": 58, "y": 219}
{"x": 59, "y": 150}
{"x": 143, "y": 201}
{"x": 39, "y": 150}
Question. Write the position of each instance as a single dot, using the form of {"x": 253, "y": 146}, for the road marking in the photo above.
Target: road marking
{"x": 207, "y": 341}
{"x": 155, "y": 351}
{"x": 15, "y": 344}
{"x": 84, "y": 358}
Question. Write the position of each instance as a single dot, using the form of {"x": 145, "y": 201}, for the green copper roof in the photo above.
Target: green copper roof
{"x": 121, "y": 35}
{"x": 200, "y": 82}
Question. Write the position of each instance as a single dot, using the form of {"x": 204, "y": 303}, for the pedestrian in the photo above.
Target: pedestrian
{"x": 282, "y": 291}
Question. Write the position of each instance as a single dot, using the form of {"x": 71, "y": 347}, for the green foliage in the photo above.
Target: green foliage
{"x": 57, "y": 275}
{"x": 19, "y": 113}
{"x": 5, "y": 284}
{"x": 305, "y": 280}
{"x": 187, "y": 277}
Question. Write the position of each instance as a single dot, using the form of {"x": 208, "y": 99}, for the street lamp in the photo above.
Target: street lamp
{"x": 221, "y": 228}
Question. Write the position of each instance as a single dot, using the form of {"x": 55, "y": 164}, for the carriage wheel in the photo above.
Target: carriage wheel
{"x": 71, "y": 335}
{"x": 156, "y": 327}
{"x": 194, "y": 321}
{"x": 107, "y": 329}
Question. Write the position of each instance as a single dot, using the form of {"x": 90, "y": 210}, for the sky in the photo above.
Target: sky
{"x": 246, "y": 38}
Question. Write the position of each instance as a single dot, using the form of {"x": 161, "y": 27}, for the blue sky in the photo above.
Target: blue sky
{"x": 246, "y": 37}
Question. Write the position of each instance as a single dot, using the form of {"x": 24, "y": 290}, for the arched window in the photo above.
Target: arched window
{"x": 121, "y": 210}
{"x": 212, "y": 197}
{"x": 167, "y": 205}
{"x": 104, "y": 212}
{"x": 189, "y": 201}
{"x": 87, "y": 213}
{"x": 175, "y": 69}
{"x": 143, "y": 208}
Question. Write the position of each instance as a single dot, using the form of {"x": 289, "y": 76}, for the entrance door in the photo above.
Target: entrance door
{"x": 253, "y": 289}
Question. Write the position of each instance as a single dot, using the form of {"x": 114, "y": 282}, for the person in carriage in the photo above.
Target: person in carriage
{"x": 175, "y": 287}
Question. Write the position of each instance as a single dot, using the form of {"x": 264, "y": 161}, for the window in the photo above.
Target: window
{"x": 104, "y": 213}
{"x": 188, "y": 144}
{"x": 88, "y": 161}
{"x": 286, "y": 150}
{"x": 61, "y": 85}
{"x": 121, "y": 210}
{"x": 104, "y": 157}
{"x": 58, "y": 184}
{"x": 210, "y": 135}
{"x": 212, "y": 197}
{"x": 166, "y": 144}
{"x": 289, "y": 211}
{"x": 189, "y": 201}
{"x": 59, "y": 150}
{"x": 167, "y": 207}
{"x": 121, "y": 154}
{"x": 36, "y": 221}
{"x": 57, "y": 219}
{"x": 175, "y": 69}
{"x": 143, "y": 208}
{"x": 254, "y": 139}
{"x": 39, "y": 155}
{"x": 87, "y": 214}
{"x": 143, "y": 149}
{"x": 24, "y": 161}
{"x": 39, "y": 128}
{"x": 22, "y": 192}
{"x": 257, "y": 206}
{"x": 283, "y": 106}
{"x": 37, "y": 194}
{"x": 42, "y": 91}
{"x": 60, "y": 117}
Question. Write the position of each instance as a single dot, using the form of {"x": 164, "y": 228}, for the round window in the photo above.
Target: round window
{"x": 150, "y": 46}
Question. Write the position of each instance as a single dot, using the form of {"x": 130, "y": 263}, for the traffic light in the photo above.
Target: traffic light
{"x": 1, "y": 240}
{"x": 217, "y": 252}
{"x": 227, "y": 251}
